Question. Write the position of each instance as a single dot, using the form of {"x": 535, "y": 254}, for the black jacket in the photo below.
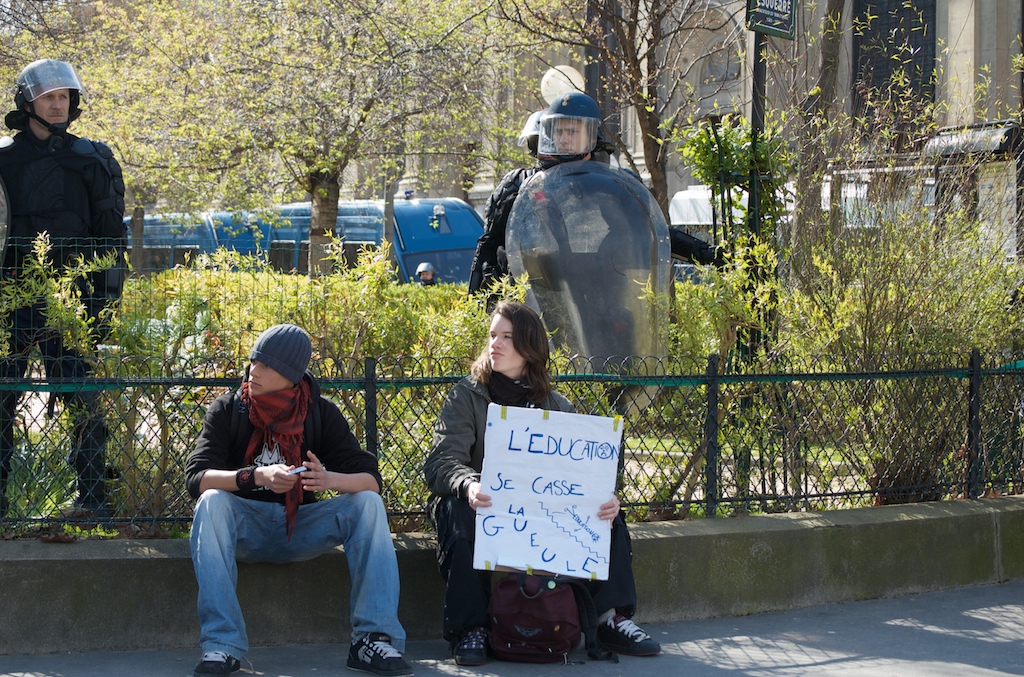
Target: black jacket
{"x": 227, "y": 431}
{"x": 489, "y": 264}
{"x": 71, "y": 188}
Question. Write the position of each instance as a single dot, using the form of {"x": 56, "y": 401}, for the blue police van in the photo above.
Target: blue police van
{"x": 173, "y": 239}
{"x": 440, "y": 231}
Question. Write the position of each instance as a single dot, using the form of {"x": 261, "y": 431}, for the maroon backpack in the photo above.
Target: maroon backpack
{"x": 537, "y": 619}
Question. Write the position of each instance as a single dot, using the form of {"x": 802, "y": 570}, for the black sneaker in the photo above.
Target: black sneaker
{"x": 621, "y": 635}
{"x": 374, "y": 654}
{"x": 471, "y": 649}
{"x": 217, "y": 663}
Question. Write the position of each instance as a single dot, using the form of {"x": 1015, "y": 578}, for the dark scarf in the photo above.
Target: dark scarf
{"x": 280, "y": 417}
{"x": 508, "y": 391}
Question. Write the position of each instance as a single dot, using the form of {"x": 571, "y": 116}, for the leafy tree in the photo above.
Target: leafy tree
{"x": 645, "y": 52}
{"x": 36, "y": 29}
{"x": 247, "y": 103}
{"x": 814, "y": 132}
{"x": 161, "y": 96}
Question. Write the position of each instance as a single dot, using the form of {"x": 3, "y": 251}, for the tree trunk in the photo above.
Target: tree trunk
{"x": 392, "y": 178}
{"x": 137, "y": 256}
{"x": 655, "y": 161}
{"x": 323, "y": 218}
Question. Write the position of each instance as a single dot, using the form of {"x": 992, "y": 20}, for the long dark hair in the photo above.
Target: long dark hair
{"x": 530, "y": 339}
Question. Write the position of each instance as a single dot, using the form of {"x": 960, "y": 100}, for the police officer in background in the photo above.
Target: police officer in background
{"x": 426, "y": 274}
{"x": 490, "y": 263}
{"x": 72, "y": 189}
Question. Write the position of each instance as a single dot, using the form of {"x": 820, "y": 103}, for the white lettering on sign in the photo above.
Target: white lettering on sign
{"x": 781, "y": 6}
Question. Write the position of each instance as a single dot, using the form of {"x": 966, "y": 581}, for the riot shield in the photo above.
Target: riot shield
{"x": 591, "y": 238}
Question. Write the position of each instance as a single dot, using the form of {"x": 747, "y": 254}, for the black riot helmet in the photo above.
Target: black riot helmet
{"x": 39, "y": 78}
{"x": 568, "y": 128}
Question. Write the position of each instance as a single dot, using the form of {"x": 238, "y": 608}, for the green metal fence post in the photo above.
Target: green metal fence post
{"x": 973, "y": 490}
{"x": 711, "y": 439}
{"x": 370, "y": 400}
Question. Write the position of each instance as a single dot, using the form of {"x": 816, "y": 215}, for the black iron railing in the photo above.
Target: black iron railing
{"x": 697, "y": 442}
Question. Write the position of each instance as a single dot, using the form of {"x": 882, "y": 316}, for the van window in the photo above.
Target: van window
{"x": 177, "y": 231}
{"x": 361, "y": 222}
{"x": 242, "y": 232}
{"x": 170, "y": 239}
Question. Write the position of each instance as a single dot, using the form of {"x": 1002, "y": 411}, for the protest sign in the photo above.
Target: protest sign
{"x": 547, "y": 473}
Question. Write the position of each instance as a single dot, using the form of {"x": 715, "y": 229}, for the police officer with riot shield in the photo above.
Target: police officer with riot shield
{"x": 591, "y": 238}
{"x": 72, "y": 189}
{"x": 490, "y": 263}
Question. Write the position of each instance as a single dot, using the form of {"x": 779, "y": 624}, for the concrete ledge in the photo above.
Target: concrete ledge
{"x": 121, "y": 594}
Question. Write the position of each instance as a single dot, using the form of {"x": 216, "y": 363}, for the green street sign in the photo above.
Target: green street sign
{"x": 772, "y": 17}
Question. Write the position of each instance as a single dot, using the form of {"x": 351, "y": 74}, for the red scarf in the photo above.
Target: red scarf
{"x": 280, "y": 417}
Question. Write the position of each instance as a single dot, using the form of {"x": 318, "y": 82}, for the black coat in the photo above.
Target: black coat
{"x": 227, "y": 430}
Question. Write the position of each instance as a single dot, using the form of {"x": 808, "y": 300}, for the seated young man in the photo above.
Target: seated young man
{"x": 264, "y": 453}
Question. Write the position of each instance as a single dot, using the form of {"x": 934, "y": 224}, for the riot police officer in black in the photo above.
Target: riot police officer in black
{"x": 72, "y": 189}
{"x": 490, "y": 263}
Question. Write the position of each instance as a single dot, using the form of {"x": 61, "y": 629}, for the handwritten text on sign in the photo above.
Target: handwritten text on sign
{"x": 547, "y": 473}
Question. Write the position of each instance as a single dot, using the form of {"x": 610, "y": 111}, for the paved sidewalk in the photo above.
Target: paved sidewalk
{"x": 965, "y": 632}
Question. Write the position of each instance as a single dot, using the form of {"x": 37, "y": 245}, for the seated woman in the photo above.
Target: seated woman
{"x": 512, "y": 371}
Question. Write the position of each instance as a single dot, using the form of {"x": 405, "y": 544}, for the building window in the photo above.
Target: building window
{"x": 891, "y": 36}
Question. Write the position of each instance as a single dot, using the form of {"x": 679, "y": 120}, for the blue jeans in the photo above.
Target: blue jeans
{"x": 227, "y": 529}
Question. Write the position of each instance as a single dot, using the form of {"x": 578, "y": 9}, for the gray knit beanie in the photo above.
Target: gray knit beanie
{"x": 285, "y": 348}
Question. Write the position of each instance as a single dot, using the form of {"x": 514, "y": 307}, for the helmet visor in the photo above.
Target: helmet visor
{"x": 46, "y": 75}
{"x": 567, "y": 135}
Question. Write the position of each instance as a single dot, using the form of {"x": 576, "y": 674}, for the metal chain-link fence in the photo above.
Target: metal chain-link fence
{"x": 697, "y": 442}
